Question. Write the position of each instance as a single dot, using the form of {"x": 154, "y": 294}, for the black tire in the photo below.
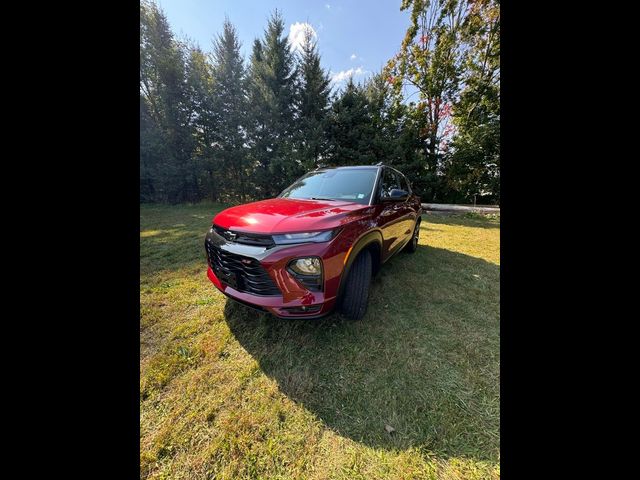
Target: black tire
{"x": 356, "y": 291}
{"x": 412, "y": 246}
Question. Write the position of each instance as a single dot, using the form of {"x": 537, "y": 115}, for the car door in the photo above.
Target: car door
{"x": 410, "y": 212}
{"x": 392, "y": 215}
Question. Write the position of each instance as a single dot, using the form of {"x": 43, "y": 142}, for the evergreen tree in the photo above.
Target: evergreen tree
{"x": 163, "y": 88}
{"x": 230, "y": 105}
{"x": 211, "y": 128}
{"x": 152, "y": 153}
{"x": 351, "y": 129}
{"x": 395, "y": 138}
{"x": 384, "y": 132}
{"x": 203, "y": 123}
{"x": 314, "y": 105}
{"x": 271, "y": 92}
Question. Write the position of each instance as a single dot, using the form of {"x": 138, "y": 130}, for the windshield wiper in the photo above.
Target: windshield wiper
{"x": 322, "y": 198}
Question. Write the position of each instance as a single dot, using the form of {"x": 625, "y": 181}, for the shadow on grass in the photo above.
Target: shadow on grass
{"x": 424, "y": 360}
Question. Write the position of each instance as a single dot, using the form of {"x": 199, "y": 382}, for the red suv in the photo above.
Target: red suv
{"x": 315, "y": 246}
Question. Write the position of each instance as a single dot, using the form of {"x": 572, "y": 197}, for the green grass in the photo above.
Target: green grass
{"x": 229, "y": 393}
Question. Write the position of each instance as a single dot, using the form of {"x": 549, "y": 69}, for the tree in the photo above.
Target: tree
{"x": 473, "y": 168}
{"x": 271, "y": 93}
{"x": 211, "y": 127}
{"x": 230, "y": 106}
{"x": 162, "y": 87}
{"x": 351, "y": 129}
{"x": 395, "y": 139}
{"x": 379, "y": 108}
{"x": 313, "y": 98}
{"x": 430, "y": 60}
{"x": 203, "y": 123}
{"x": 152, "y": 153}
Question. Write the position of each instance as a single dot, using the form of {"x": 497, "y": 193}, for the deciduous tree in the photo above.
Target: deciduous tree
{"x": 430, "y": 61}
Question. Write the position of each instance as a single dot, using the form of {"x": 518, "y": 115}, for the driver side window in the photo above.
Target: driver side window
{"x": 388, "y": 183}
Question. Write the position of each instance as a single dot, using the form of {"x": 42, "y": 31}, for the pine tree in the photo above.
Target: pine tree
{"x": 203, "y": 123}
{"x": 314, "y": 105}
{"x": 230, "y": 105}
{"x": 162, "y": 85}
{"x": 210, "y": 127}
{"x": 380, "y": 102}
{"x": 271, "y": 92}
{"x": 152, "y": 153}
{"x": 351, "y": 128}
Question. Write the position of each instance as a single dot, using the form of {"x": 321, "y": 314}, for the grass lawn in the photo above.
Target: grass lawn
{"x": 226, "y": 392}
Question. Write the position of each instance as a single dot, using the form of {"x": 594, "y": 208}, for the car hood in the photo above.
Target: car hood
{"x": 286, "y": 215}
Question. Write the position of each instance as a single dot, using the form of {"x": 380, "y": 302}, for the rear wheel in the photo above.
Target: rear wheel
{"x": 356, "y": 290}
{"x": 412, "y": 246}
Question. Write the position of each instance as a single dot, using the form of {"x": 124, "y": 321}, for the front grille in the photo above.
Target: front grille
{"x": 245, "y": 238}
{"x": 245, "y": 274}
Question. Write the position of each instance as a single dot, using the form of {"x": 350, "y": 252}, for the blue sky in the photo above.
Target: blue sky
{"x": 355, "y": 37}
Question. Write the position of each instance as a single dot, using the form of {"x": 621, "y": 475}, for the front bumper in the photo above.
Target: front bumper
{"x": 294, "y": 300}
{"x": 275, "y": 304}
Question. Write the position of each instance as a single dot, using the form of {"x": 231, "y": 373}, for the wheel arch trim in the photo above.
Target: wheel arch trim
{"x": 372, "y": 237}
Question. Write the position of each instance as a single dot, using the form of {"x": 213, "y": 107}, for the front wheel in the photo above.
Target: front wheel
{"x": 356, "y": 290}
{"x": 412, "y": 246}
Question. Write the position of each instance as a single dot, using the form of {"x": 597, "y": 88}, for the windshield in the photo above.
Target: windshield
{"x": 352, "y": 185}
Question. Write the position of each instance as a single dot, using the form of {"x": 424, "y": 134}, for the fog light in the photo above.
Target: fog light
{"x": 306, "y": 266}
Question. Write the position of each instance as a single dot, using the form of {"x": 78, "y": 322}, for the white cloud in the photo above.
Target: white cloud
{"x": 345, "y": 74}
{"x": 327, "y": 6}
{"x": 296, "y": 34}
{"x": 353, "y": 56}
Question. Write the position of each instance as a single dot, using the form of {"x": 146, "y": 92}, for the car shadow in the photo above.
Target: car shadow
{"x": 420, "y": 370}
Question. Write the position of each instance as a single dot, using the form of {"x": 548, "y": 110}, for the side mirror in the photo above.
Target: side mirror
{"x": 396, "y": 195}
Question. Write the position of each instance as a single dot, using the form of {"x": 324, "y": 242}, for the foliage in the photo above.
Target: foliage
{"x": 167, "y": 149}
{"x": 450, "y": 55}
{"x": 430, "y": 61}
{"x": 213, "y": 127}
{"x": 228, "y": 156}
{"x": 350, "y": 128}
{"x": 272, "y": 110}
{"x": 313, "y": 99}
{"x": 474, "y": 166}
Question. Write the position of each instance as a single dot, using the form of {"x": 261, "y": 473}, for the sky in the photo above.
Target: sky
{"x": 355, "y": 37}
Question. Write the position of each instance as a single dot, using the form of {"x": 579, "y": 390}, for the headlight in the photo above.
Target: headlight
{"x": 308, "y": 272}
{"x": 306, "y": 266}
{"x": 304, "y": 237}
